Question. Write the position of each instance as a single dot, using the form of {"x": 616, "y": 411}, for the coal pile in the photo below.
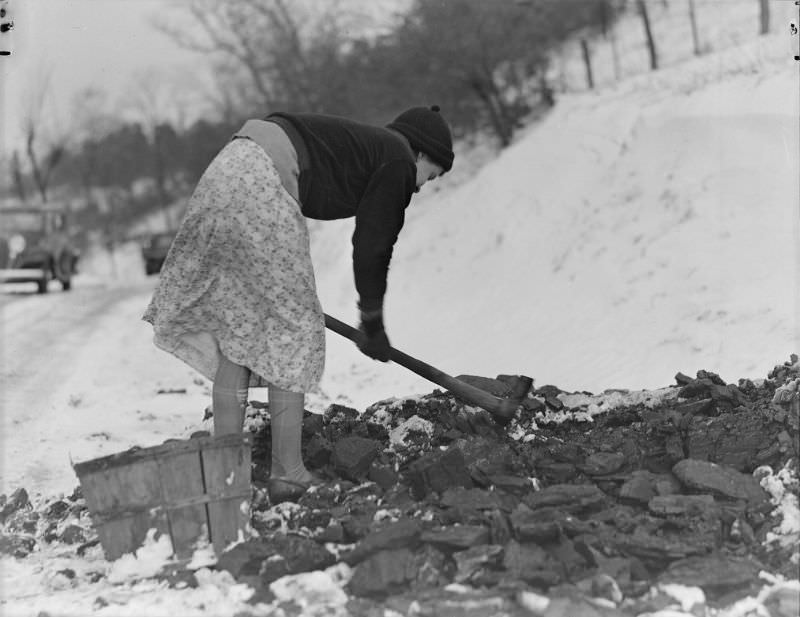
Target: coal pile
{"x": 591, "y": 502}
{"x": 665, "y": 502}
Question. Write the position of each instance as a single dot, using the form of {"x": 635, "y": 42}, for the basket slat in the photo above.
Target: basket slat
{"x": 125, "y": 489}
{"x": 188, "y": 489}
{"x": 227, "y": 476}
{"x": 181, "y": 479}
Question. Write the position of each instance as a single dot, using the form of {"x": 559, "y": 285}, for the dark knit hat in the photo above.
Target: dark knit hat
{"x": 427, "y": 132}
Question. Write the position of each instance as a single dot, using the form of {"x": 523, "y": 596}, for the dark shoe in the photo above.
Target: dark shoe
{"x": 282, "y": 489}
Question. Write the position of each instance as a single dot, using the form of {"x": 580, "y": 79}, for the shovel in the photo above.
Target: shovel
{"x": 502, "y": 409}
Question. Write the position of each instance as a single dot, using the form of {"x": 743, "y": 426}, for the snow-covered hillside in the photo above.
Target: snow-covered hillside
{"x": 638, "y": 231}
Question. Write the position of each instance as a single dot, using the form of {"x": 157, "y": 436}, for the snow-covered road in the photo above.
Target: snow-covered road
{"x": 81, "y": 378}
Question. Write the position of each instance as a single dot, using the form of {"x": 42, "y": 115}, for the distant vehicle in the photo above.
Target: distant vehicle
{"x": 154, "y": 250}
{"x": 36, "y": 247}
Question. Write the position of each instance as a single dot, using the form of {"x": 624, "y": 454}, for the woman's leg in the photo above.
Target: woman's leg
{"x": 229, "y": 397}
{"x": 286, "y": 417}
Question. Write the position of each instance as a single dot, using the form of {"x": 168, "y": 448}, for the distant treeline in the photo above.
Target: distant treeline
{"x": 172, "y": 160}
{"x": 486, "y": 63}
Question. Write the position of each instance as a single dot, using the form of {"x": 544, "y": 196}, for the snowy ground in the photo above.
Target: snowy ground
{"x": 639, "y": 231}
{"x": 645, "y": 230}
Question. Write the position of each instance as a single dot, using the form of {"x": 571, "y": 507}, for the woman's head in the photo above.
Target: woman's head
{"x": 429, "y": 135}
{"x": 427, "y": 169}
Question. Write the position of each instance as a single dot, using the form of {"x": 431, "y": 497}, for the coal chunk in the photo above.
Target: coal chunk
{"x": 570, "y": 497}
{"x": 385, "y": 572}
{"x": 602, "y": 463}
{"x": 318, "y": 451}
{"x": 352, "y": 456}
{"x": 437, "y": 471}
{"x": 714, "y": 572}
{"x": 17, "y": 501}
{"x": 719, "y": 479}
{"x": 473, "y": 562}
{"x": 404, "y": 533}
{"x": 685, "y": 505}
{"x": 270, "y": 559}
{"x": 531, "y": 563}
{"x": 456, "y": 537}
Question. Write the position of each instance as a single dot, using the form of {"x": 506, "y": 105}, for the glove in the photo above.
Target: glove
{"x": 373, "y": 341}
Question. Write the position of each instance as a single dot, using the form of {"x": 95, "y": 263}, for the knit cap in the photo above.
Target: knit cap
{"x": 427, "y": 131}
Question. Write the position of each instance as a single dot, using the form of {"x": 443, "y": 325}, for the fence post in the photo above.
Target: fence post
{"x": 651, "y": 44}
{"x": 587, "y": 60}
{"x": 764, "y": 16}
{"x": 693, "y": 20}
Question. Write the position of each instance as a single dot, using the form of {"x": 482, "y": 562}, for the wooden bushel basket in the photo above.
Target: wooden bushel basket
{"x": 191, "y": 489}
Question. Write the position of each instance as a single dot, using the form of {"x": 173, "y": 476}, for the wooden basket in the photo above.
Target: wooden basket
{"x": 191, "y": 489}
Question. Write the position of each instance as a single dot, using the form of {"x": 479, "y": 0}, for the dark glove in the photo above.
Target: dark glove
{"x": 373, "y": 341}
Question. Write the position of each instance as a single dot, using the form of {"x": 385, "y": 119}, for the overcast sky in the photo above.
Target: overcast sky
{"x": 100, "y": 43}
{"x": 78, "y": 44}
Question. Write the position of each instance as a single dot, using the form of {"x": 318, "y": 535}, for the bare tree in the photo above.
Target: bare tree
{"x": 160, "y": 101}
{"x": 18, "y": 178}
{"x": 247, "y": 39}
{"x": 473, "y": 58}
{"x": 44, "y": 151}
{"x": 267, "y": 52}
{"x": 612, "y": 39}
{"x": 587, "y": 61}
{"x": 763, "y": 14}
{"x": 651, "y": 44}
{"x": 220, "y": 102}
{"x": 91, "y": 121}
{"x": 91, "y": 116}
{"x": 607, "y": 14}
{"x": 159, "y": 95}
{"x": 693, "y": 21}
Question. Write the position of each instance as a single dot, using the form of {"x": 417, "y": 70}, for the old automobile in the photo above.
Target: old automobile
{"x": 154, "y": 250}
{"x": 35, "y": 247}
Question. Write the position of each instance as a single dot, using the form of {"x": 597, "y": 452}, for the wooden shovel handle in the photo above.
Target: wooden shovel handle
{"x": 471, "y": 394}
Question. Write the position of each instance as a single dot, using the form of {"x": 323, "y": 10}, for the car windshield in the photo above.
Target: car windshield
{"x": 20, "y": 221}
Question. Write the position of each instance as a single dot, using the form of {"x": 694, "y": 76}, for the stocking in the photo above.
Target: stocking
{"x": 286, "y": 417}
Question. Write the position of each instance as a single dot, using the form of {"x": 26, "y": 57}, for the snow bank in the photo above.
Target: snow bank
{"x": 634, "y": 233}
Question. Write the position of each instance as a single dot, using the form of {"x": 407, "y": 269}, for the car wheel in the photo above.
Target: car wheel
{"x": 65, "y": 272}
{"x": 41, "y": 284}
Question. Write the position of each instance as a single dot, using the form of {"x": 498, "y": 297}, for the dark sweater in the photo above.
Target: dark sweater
{"x": 353, "y": 169}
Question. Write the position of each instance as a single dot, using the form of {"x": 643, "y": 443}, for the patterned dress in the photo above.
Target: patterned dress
{"x": 238, "y": 280}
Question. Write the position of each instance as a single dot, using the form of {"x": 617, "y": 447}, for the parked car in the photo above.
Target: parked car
{"x": 154, "y": 250}
{"x": 36, "y": 247}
